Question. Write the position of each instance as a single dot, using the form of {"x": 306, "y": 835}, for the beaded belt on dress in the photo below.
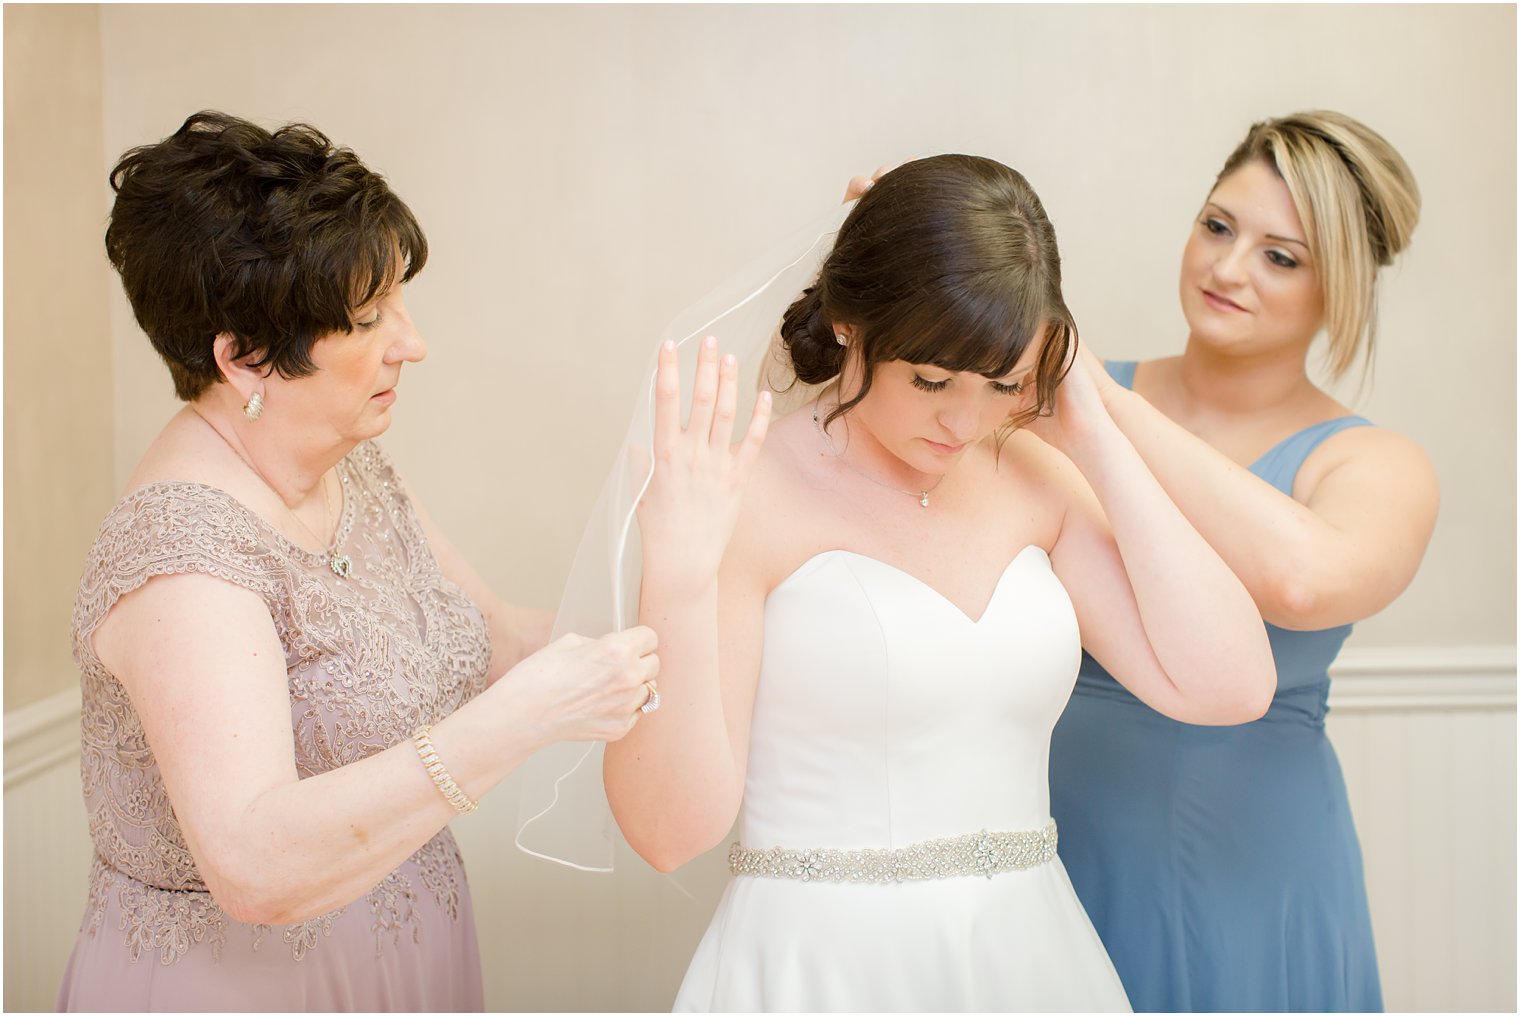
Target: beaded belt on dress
{"x": 980, "y": 853}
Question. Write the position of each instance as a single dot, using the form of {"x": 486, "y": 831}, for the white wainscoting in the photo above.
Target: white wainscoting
{"x": 47, "y": 849}
{"x": 1426, "y": 739}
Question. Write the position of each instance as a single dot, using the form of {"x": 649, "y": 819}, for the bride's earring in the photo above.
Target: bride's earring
{"x": 839, "y": 338}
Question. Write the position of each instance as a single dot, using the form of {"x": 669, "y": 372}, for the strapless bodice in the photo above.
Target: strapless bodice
{"x": 886, "y": 716}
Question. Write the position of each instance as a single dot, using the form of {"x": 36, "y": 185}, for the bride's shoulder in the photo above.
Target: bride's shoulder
{"x": 788, "y": 441}
{"x": 787, "y": 425}
{"x": 1027, "y": 462}
{"x": 779, "y": 512}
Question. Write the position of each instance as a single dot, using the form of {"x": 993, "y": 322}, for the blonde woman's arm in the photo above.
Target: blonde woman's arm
{"x": 1156, "y": 605}
{"x": 1340, "y": 549}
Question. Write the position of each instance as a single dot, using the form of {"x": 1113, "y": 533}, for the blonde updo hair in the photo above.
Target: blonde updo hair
{"x": 1359, "y": 204}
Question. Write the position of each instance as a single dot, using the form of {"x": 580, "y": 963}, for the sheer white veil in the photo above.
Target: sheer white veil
{"x": 563, "y": 814}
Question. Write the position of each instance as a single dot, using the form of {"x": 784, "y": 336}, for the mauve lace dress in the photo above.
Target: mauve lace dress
{"x": 370, "y": 658}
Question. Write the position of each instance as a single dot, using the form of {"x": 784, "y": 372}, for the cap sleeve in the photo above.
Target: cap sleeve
{"x": 177, "y": 528}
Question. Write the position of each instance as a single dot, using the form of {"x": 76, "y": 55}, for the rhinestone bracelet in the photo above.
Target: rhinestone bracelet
{"x": 439, "y": 772}
{"x": 980, "y": 853}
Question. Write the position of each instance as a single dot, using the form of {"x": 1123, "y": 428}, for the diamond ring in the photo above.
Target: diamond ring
{"x": 653, "y": 701}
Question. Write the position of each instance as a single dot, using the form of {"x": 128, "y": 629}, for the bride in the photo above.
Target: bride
{"x": 870, "y": 622}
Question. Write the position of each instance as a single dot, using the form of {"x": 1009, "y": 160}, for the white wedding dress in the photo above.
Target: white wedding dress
{"x": 885, "y": 717}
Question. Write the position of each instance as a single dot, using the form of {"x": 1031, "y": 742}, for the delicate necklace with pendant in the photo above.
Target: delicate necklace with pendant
{"x": 339, "y": 563}
{"x": 921, "y": 495}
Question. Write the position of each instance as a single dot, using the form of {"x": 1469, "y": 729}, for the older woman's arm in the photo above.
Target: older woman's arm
{"x": 206, "y": 673}
{"x": 516, "y": 632}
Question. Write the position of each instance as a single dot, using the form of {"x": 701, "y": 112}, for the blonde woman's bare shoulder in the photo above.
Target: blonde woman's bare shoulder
{"x": 1371, "y": 458}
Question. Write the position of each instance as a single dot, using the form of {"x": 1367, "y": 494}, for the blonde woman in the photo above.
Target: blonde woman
{"x": 1220, "y": 865}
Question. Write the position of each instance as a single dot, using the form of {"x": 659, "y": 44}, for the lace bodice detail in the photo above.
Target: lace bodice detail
{"x": 370, "y": 658}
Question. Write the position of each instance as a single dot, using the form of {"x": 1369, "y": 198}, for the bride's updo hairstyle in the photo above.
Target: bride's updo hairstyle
{"x": 949, "y": 261}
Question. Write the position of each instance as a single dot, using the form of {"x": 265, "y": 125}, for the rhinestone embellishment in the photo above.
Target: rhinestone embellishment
{"x": 981, "y": 853}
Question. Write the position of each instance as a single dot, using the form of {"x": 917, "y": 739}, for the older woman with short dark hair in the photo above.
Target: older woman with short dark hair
{"x": 291, "y": 683}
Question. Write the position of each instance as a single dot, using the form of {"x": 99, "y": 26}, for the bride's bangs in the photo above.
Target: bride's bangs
{"x": 962, "y": 333}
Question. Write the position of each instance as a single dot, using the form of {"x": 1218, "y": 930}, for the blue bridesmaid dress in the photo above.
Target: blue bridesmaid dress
{"x": 1219, "y": 864}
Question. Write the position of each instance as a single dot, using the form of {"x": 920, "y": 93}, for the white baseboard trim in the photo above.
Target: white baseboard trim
{"x": 1434, "y": 679}
{"x": 1441, "y": 679}
{"x": 41, "y": 735}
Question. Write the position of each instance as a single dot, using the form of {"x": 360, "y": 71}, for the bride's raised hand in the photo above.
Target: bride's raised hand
{"x": 689, "y": 510}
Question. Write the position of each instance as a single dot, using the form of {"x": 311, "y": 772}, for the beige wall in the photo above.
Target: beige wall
{"x": 583, "y": 173}
{"x": 59, "y": 447}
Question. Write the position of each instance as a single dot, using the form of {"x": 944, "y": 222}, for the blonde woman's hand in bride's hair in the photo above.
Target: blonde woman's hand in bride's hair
{"x": 858, "y": 185}
{"x": 689, "y": 510}
{"x": 1101, "y": 379}
{"x": 1079, "y": 412}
